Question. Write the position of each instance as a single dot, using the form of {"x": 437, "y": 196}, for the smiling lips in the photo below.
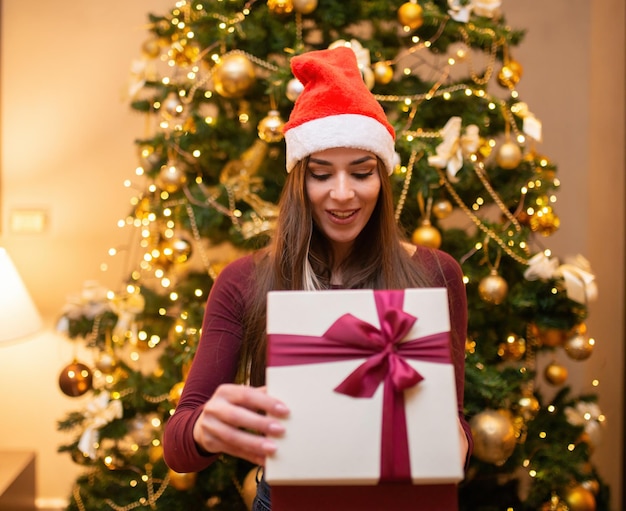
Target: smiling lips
{"x": 342, "y": 215}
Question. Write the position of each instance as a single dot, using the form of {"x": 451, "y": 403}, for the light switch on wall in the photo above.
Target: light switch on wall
{"x": 28, "y": 221}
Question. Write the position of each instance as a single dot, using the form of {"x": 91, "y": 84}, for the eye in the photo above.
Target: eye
{"x": 318, "y": 172}
{"x": 319, "y": 176}
{"x": 361, "y": 176}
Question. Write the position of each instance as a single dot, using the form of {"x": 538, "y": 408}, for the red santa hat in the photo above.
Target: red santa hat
{"x": 335, "y": 109}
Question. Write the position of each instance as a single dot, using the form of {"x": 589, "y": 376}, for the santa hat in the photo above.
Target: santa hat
{"x": 335, "y": 109}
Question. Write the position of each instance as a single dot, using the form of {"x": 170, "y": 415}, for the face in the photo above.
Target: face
{"x": 343, "y": 186}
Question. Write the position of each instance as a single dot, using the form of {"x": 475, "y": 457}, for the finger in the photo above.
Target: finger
{"x": 253, "y": 398}
{"x": 218, "y": 436}
{"x": 241, "y": 416}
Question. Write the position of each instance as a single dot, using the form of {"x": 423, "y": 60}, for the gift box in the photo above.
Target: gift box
{"x": 368, "y": 379}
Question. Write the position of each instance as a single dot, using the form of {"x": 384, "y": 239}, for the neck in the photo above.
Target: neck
{"x": 336, "y": 278}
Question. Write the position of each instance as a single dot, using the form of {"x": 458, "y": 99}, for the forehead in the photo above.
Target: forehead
{"x": 342, "y": 154}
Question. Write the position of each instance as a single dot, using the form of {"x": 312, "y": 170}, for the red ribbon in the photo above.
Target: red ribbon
{"x": 350, "y": 337}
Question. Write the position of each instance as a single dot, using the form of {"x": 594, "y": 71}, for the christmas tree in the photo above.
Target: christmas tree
{"x": 214, "y": 83}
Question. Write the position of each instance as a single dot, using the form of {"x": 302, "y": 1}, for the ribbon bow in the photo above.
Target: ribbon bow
{"x": 449, "y": 154}
{"x": 578, "y": 279}
{"x": 99, "y": 412}
{"x": 383, "y": 344}
{"x": 460, "y": 11}
{"x": 126, "y": 306}
{"x": 580, "y": 284}
{"x": 350, "y": 337}
{"x": 90, "y": 303}
{"x": 541, "y": 267}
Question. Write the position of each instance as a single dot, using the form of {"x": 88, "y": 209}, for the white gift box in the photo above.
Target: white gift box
{"x": 335, "y": 439}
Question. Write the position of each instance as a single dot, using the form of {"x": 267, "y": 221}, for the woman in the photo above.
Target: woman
{"x": 336, "y": 229}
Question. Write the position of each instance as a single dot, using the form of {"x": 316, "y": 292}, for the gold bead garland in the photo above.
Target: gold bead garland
{"x": 151, "y": 500}
{"x": 405, "y": 186}
{"x": 196, "y": 236}
{"x": 495, "y": 44}
{"x": 489, "y": 232}
{"x": 479, "y": 169}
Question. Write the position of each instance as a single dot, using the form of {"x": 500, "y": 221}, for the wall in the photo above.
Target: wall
{"x": 574, "y": 55}
{"x": 67, "y": 146}
{"x": 67, "y": 135}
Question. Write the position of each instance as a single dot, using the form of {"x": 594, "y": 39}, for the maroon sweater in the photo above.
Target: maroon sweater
{"x": 216, "y": 359}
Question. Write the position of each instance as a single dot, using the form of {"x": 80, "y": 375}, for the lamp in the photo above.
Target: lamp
{"x": 18, "y": 315}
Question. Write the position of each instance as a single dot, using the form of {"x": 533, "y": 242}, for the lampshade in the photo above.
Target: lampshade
{"x": 18, "y": 315}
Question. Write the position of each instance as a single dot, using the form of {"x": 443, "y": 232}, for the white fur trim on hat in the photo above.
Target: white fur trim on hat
{"x": 342, "y": 130}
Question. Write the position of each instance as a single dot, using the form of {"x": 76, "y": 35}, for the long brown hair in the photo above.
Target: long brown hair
{"x": 378, "y": 260}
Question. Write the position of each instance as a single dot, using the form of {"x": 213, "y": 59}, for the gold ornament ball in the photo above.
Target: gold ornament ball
{"x": 151, "y": 48}
{"x": 234, "y": 76}
{"x": 106, "y": 362}
{"x": 304, "y": 6}
{"x": 528, "y": 406}
{"x": 442, "y": 208}
{"x": 172, "y": 105}
{"x": 183, "y": 481}
{"x": 75, "y": 379}
{"x": 579, "y": 498}
{"x": 248, "y": 488}
{"x": 176, "y": 250}
{"x": 171, "y": 178}
{"x": 592, "y": 485}
{"x": 581, "y": 329}
{"x": 427, "y": 235}
{"x": 493, "y": 289}
{"x": 510, "y": 74}
{"x": 294, "y": 89}
{"x": 270, "y": 128}
{"x": 555, "y": 504}
{"x": 383, "y": 73}
{"x": 184, "y": 53}
{"x": 555, "y": 374}
{"x": 509, "y": 155}
{"x": 545, "y": 221}
{"x": 578, "y": 346}
{"x": 547, "y": 336}
{"x": 148, "y": 157}
{"x": 280, "y": 7}
{"x": 513, "y": 348}
{"x": 410, "y": 14}
{"x": 494, "y": 436}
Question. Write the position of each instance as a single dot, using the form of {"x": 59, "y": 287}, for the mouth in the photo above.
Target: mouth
{"x": 342, "y": 215}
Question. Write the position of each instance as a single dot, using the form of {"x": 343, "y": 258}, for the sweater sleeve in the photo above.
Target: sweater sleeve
{"x": 215, "y": 362}
{"x": 446, "y": 272}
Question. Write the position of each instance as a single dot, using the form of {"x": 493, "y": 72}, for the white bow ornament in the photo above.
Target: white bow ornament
{"x": 450, "y": 153}
{"x": 541, "y": 267}
{"x": 580, "y": 284}
{"x": 98, "y": 413}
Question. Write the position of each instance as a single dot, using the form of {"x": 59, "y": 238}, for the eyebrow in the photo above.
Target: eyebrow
{"x": 355, "y": 162}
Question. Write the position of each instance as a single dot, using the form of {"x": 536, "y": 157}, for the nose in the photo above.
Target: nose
{"x": 342, "y": 188}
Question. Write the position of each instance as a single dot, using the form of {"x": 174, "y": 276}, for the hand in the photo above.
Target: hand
{"x": 464, "y": 444}
{"x": 240, "y": 420}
